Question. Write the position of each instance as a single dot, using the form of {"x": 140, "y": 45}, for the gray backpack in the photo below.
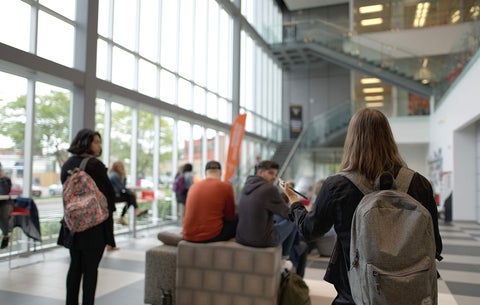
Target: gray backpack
{"x": 392, "y": 248}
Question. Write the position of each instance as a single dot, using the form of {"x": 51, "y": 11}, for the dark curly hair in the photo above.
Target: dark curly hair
{"x": 187, "y": 168}
{"x": 82, "y": 141}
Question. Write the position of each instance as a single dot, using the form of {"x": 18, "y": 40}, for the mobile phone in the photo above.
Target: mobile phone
{"x": 282, "y": 184}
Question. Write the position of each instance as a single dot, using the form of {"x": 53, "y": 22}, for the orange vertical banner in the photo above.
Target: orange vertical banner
{"x": 236, "y": 136}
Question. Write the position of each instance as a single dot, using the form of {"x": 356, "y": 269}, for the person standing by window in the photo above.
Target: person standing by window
{"x": 182, "y": 184}
{"x": 87, "y": 247}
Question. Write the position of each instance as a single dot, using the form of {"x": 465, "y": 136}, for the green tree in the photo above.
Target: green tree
{"x": 51, "y": 126}
{"x": 121, "y": 138}
{"x": 52, "y": 123}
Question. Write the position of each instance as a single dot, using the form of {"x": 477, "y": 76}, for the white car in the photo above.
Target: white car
{"x": 36, "y": 191}
{"x": 145, "y": 183}
{"x": 55, "y": 189}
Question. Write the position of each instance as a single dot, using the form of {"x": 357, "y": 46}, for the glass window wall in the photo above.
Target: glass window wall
{"x": 164, "y": 97}
{"x": 10, "y": 13}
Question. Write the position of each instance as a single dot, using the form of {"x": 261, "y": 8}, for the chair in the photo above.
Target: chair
{"x": 25, "y": 216}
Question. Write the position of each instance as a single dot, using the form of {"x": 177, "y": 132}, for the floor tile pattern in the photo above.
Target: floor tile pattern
{"x": 121, "y": 275}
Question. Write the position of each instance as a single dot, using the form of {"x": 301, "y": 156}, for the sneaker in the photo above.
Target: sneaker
{"x": 287, "y": 264}
{"x": 4, "y": 242}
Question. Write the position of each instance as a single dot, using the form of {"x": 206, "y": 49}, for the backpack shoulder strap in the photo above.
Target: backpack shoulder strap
{"x": 84, "y": 163}
{"x": 404, "y": 178}
{"x": 358, "y": 181}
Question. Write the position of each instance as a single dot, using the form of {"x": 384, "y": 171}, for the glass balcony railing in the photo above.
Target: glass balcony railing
{"x": 388, "y": 15}
{"x": 318, "y": 141}
{"x": 326, "y": 39}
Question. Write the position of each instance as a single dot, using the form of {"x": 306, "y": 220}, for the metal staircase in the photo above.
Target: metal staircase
{"x": 327, "y": 129}
{"x": 281, "y": 154}
{"x": 291, "y": 51}
{"x": 308, "y": 42}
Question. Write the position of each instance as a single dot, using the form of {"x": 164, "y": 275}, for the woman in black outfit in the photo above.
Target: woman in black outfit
{"x": 369, "y": 150}
{"x": 88, "y": 246}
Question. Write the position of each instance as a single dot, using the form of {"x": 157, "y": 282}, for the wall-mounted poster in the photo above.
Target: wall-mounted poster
{"x": 296, "y": 121}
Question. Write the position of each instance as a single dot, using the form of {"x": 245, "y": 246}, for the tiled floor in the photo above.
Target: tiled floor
{"x": 121, "y": 276}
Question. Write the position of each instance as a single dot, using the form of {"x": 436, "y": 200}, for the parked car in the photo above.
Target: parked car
{"x": 55, "y": 189}
{"x": 36, "y": 191}
{"x": 145, "y": 183}
{"x": 17, "y": 189}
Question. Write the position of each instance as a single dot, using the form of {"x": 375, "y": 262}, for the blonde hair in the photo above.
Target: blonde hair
{"x": 369, "y": 147}
{"x": 118, "y": 168}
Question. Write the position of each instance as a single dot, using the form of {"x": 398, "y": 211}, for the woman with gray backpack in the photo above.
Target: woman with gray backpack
{"x": 370, "y": 152}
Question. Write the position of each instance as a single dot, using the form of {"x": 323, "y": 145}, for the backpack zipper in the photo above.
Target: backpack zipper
{"x": 377, "y": 275}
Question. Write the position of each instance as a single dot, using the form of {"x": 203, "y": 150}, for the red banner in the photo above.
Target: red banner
{"x": 236, "y": 136}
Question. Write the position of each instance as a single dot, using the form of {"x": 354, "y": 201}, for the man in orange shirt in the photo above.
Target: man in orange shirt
{"x": 210, "y": 208}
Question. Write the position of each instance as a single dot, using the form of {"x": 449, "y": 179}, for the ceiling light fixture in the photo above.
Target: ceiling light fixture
{"x": 370, "y": 9}
{"x": 421, "y": 14}
{"x": 475, "y": 11}
{"x": 370, "y": 80}
{"x": 374, "y": 105}
{"x": 374, "y": 98}
{"x": 455, "y": 16}
{"x": 373, "y": 90}
{"x": 371, "y": 21}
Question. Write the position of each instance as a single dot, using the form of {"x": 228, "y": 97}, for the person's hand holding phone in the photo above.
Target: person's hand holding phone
{"x": 286, "y": 187}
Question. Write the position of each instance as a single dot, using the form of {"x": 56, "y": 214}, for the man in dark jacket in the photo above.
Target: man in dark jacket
{"x": 263, "y": 213}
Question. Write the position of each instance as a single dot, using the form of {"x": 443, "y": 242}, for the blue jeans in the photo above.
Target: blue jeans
{"x": 285, "y": 232}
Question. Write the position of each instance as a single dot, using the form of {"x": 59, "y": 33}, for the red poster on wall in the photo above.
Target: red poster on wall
{"x": 236, "y": 136}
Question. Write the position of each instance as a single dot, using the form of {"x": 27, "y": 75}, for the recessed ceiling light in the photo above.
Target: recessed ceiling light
{"x": 374, "y": 105}
{"x": 374, "y": 98}
{"x": 455, "y": 16}
{"x": 421, "y": 14}
{"x": 370, "y": 9}
{"x": 370, "y": 80}
{"x": 371, "y": 21}
{"x": 373, "y": 90}
{"x": 475, "y": 11}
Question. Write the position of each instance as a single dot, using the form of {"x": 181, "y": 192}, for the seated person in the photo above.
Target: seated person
{"x": 6, "y": 207}
{"x": 122, "y": 194}
{"x": 259, "y": 201}
{"x": 210, "y": 208}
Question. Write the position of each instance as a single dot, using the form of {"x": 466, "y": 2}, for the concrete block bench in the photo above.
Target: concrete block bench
{"x": 227, "y": 273}
{"x": 160, "y": 273}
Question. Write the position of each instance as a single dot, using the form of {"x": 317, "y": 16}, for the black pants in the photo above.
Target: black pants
{"x": 228, "y": 232}
{"x": 83, "y": 265}
{"x": 129, "y": 198}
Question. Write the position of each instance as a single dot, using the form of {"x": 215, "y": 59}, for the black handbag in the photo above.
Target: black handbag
{"x": 65, "y": 237}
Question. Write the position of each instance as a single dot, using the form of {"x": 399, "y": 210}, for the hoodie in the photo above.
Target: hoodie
{"x": 259, "y": 201}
